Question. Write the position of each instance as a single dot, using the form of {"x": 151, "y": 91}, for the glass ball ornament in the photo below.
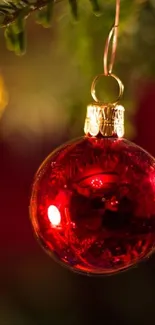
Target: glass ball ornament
{"x": 93, "y": 205}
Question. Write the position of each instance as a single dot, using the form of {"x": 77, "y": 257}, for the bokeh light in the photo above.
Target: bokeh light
{"x": 4, "y": 97}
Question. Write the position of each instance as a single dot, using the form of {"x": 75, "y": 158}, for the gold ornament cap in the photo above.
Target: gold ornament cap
{"x": 106, "y": 119}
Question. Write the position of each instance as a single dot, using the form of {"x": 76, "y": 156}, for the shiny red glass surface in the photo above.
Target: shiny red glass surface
{"x": 93, "y": 205}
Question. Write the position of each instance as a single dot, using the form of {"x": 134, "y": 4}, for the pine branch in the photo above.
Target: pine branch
{"x": 10, "y": 11}
{"x": 14, "y": 13}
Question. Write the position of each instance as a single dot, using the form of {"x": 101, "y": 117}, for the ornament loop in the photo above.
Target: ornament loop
{"x": 93, "y": 88}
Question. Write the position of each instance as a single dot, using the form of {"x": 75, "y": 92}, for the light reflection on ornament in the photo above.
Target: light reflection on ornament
{"x": 54, "y": 215}
{"x": 96, "y": 183}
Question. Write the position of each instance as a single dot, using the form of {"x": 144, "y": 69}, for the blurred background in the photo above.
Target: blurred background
{"x": 43, "y": 99}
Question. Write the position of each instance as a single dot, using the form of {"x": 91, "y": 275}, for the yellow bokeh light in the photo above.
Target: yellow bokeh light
{"x": 4, "y": 97}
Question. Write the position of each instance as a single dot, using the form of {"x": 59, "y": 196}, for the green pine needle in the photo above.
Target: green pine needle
{"x": 96, "y": 7}
{"x": 74, "y": 8}
{"x": 44, "y": 16}
{"x": 15, "y": 37}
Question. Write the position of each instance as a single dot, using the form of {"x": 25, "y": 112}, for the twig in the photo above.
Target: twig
{"x": 12, "y": 11}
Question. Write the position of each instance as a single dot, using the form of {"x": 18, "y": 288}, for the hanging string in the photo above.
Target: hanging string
{"x": 109, "y": 59}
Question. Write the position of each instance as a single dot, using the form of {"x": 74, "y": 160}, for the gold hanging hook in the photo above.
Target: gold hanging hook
{"x": 120, "y": 85}
{"x": 103, "y": 118}
{"x": 109, "y": 63}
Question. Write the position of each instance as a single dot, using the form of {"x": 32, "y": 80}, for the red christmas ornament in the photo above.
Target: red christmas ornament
{"x": 93, "y": 206}
{"x": 93, "y": 199}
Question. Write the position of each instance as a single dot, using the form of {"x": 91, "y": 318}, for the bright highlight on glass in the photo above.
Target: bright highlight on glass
{"x": 54, "y": 215}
